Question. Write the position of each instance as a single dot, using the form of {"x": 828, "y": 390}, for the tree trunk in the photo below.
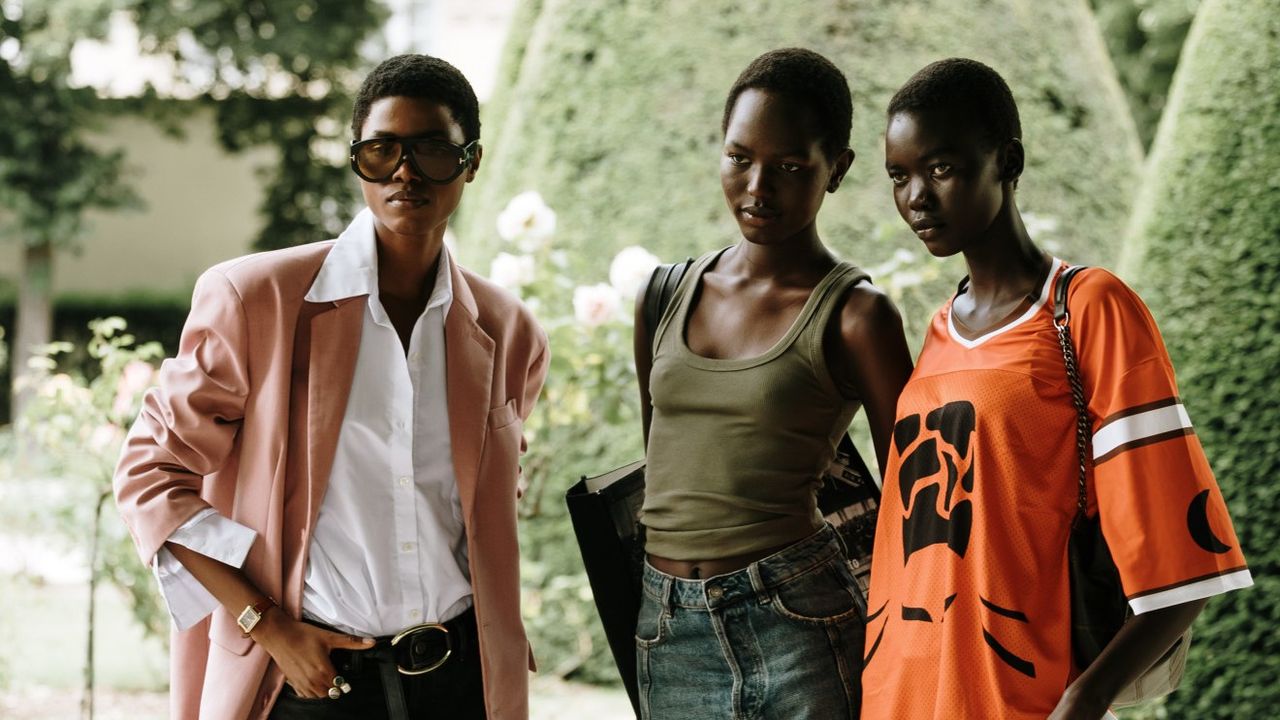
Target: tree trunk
{"x": 35, "y": 318}
{"x": 86, "y": 697}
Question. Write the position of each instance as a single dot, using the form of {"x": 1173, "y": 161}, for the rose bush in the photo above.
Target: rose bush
{"x": 586, "y": 422}
{"x": 67, "y": 442}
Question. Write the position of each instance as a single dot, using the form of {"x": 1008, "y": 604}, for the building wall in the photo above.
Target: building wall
{"x": 201, "y": 207}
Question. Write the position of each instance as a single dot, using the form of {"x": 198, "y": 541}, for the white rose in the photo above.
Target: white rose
{"x": 630, "y": 268}
{"x": 527, "y": 221}
{"x": 511, "y": 271}
{"x": 595, "y": 305}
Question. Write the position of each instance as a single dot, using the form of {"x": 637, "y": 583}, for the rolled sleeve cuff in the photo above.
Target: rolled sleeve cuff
{"x": 211, "y": 535}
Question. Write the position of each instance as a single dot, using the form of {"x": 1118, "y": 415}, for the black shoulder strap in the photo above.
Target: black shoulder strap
{"x": 1061, "y": 320}
{"x": 657, "y": 294}
{"x": 1060, "y": 314}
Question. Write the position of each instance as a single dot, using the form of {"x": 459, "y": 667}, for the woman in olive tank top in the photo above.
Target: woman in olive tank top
{"x": 756, "y": 368}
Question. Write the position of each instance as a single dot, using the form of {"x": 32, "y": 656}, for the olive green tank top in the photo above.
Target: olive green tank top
{"x": 737, "y": 447}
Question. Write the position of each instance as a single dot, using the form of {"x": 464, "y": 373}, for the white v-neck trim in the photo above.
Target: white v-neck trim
{"x": 1030, "y": 313}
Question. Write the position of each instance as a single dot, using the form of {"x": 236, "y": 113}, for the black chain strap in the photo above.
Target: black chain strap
{"x": 1061, "y": 320}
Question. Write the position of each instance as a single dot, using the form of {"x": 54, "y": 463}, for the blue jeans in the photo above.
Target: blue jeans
{"x": 779, "y": 639}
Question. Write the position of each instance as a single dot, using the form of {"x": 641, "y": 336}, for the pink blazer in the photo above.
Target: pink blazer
{"x": 246, "y": 420}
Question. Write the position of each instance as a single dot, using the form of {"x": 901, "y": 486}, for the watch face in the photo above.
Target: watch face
{"x": 248, "y": 619}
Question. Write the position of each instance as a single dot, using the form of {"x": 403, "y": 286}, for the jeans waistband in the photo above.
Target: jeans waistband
{"x": 758, "y": 578}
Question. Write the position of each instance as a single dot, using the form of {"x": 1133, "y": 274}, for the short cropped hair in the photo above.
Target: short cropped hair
{"x": 966, "y": 90}
{"x": 805, "y": 77}
{"x": 419, "y": 76}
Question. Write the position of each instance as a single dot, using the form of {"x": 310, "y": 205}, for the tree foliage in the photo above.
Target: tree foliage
{"x": 51, "y": 173}
{"x": 279, "y": 73}
{"x": 1204, "y": 246}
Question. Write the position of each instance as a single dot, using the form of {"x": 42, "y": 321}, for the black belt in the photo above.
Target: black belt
{"x": 416, "y": 650}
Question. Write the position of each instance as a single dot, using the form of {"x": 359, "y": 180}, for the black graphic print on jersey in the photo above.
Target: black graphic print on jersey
{"x": 1198, "y": 525}
{"x": 935, "y": 515}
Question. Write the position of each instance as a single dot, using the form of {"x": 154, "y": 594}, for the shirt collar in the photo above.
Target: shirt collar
{"x": 351, "y": 268}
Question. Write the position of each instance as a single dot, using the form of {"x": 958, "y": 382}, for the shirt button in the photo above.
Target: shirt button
{"x": 407, "y": 547}
{"x": 715, "y": 592}
{"x": 413, "y": 357}
{"x": 404, "y": 482}
{"x": 414, "y": 614}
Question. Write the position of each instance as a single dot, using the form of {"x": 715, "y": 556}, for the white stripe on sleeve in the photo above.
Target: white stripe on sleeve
{"x": 1137, "y": 427}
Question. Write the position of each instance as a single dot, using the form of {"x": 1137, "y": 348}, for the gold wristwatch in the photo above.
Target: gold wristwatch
{"x": 251, "y": 614}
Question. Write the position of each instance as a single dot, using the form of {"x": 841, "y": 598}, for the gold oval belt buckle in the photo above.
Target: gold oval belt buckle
{"x": 448, "y": 641}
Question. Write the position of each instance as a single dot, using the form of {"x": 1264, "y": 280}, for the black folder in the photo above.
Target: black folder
{"x": 605, "y": 511}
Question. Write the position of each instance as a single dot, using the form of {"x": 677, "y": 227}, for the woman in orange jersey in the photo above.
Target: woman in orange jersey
{"x": 969, "y": 614}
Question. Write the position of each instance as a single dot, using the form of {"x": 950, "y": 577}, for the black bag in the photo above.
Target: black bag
{"x": 605, "y": 513}
{"x": 1098, "y": 604}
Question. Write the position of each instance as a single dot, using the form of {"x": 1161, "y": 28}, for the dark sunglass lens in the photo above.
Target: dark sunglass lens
{"x": 378, "y": 159}
{"x": 438, "y": 161}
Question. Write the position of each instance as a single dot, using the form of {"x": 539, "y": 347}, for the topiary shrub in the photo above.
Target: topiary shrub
{"x": 1204, "y": 248}
{"x": 611, "y": 110}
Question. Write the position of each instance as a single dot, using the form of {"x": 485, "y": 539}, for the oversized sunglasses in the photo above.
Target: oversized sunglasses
{"x": 434, "y": 160}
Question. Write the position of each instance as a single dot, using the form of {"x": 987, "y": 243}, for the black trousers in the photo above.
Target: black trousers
{"x": 454, "y": 691}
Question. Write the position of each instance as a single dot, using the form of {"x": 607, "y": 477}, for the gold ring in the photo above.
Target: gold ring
{"x": 334, "y": 693}
{"x": 338, "y": 681}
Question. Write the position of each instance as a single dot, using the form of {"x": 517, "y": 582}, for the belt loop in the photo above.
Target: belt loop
{"x": 668, "y": 594}
{"x": 763, "y": 596}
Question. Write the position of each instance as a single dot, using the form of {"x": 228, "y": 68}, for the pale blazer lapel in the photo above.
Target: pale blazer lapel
{"x": 469, "y": 376}
{"x": 335, "y": 341}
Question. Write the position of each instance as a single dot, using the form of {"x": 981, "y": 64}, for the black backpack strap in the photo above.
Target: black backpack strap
{"x": 657, "y": 294}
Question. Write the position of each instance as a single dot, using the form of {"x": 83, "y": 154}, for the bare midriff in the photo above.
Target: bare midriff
{"x": 703, "y": 569}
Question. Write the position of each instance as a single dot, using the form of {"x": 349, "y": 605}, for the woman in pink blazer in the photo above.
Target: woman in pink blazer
{"x": 330, "y": 462}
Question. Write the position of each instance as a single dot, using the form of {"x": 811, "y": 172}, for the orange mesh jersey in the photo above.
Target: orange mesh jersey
{"x": 969, "y": 615}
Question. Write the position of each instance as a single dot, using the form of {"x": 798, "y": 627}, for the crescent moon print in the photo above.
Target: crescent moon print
{"x": 1198, "y": 524}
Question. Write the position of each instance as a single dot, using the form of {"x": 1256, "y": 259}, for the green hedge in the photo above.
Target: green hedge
{"x": 150, "y": 317}
{"x": 612, "y": 111}
{"x": 1205, "y": 249}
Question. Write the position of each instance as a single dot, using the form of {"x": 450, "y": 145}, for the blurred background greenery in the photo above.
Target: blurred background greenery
{"x": 148, "y": 139}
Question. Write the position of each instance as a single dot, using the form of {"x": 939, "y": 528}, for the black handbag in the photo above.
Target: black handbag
{"x": 605, "y": 510}
{"x": 1098, "y": 604}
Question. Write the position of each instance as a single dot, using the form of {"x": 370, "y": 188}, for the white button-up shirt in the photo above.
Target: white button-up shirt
{"x": 389, "y": 547}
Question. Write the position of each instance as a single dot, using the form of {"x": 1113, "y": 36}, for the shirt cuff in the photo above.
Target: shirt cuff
{"x": 211, "y": 535}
